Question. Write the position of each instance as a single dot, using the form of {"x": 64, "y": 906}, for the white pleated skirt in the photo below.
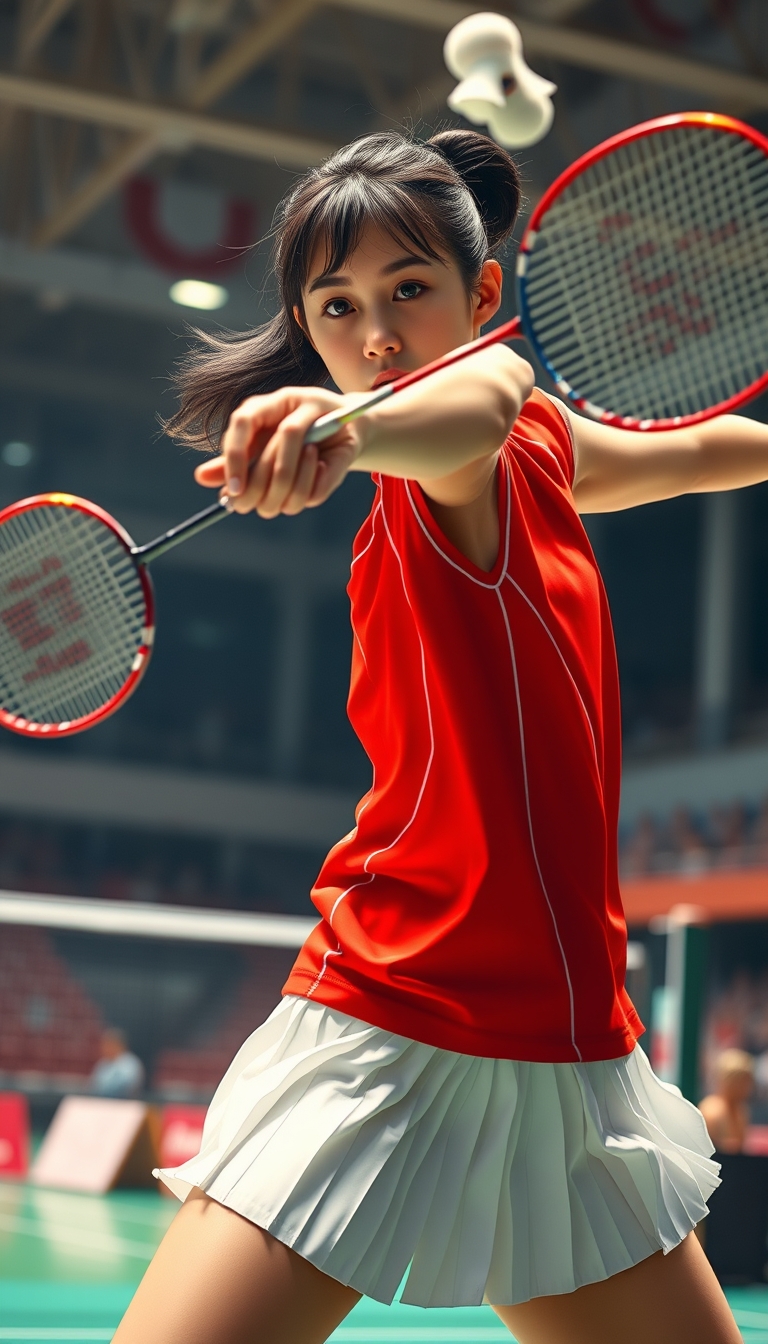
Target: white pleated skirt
{"x": 373, "y": 1155}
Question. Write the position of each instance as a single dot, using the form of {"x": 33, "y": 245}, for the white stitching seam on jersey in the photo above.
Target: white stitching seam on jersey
{"x": 368, "y": 545}
{"x": 530, "y": 824}
{"x": 447, "y": 558}
{"x": 561, "y": 656}
{"x": 538, "y": 443}
{"x": 565, "y": 416}
{"x": 354, "y": 561}
{"x": 496, "y": 587}
{"x": 385, "y": 848}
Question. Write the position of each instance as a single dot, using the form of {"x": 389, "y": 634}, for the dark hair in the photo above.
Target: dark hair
{"x": 458, "y": 193}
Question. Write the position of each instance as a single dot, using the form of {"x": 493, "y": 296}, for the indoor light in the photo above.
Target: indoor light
{"x": 198, "y": 294}
{"x": 17, "y": 454}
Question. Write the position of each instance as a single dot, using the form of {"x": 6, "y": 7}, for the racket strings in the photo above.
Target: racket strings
{"x": 647, "y": 283}
{"x": 72, "y": 612}
{"x": 615, "y": 303}
{"x": 660, "y": 306}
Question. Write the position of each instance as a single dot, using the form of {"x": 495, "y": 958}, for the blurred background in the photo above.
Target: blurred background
{"x": 144, "y": 145}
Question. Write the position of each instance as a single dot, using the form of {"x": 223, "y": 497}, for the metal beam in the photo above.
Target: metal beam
{"x": 151, "y": 798}
{"x": 242, "y": 54}
{"x": 249, "y": 49}
{"x": 132, "y": 154}
{"x": 592, "y": 51}
{"x": 36, "y": 31}
{"x": 172, "y": 126}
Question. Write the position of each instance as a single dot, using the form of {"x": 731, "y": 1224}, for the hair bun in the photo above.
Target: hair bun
{"x": 490, "y": 173}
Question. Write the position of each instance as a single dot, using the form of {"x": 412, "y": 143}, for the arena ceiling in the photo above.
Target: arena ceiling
{"x": 91, "y": 91}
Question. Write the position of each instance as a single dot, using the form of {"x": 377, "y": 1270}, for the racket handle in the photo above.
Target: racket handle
{"x": 329, "y": 424}
{"x": 323, "y": 428}
{"x": 182, "y": 532}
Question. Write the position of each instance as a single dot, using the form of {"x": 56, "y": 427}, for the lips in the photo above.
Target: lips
{"x": 386, "y": 376}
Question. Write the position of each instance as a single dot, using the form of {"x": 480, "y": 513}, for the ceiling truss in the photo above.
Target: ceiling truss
{"x": 138, "y": 79}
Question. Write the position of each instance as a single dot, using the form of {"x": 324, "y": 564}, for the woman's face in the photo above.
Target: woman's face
{"x": 389, "y": 310}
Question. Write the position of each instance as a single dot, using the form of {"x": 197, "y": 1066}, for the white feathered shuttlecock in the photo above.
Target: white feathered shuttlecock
{"x": 497, "y": 89}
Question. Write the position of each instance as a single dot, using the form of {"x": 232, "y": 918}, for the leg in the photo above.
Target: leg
{"x": 218, "y": 1279}
{"x": 669, "y": 1299}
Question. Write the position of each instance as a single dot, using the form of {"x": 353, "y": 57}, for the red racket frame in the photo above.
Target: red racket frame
{"x": 714, "y": 119}
{"x": 520, "y": 328}
{"x": 144, "y": 651}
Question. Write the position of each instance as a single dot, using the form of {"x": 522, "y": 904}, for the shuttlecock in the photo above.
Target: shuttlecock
{"x": 497, "y": 88}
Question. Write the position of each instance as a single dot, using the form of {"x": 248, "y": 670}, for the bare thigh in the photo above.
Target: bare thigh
{"x": 218, "y": 1279}
{"x": 666, "y": 1299}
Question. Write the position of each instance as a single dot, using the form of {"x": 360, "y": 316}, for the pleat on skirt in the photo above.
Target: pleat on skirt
{"x": 373, "y": 1155}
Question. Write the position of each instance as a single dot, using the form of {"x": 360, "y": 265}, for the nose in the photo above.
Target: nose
{"x": 381, "y": 341}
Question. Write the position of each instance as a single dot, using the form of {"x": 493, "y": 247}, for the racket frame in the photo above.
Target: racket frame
{"x": 27, "y": 728}
{"x": 714, "y": 120}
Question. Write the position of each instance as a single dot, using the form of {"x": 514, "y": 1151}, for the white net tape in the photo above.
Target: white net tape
{"x": 647, "y": 286}
{"x": 72, "y": 612}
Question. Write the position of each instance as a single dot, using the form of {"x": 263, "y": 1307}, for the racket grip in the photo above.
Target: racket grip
{"x": 329, "y": 424}
{"x": 333, "y": 421}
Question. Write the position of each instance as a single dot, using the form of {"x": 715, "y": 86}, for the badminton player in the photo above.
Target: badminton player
{"x": 451, "y": 1093}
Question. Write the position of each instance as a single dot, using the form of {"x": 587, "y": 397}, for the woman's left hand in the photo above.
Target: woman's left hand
{"x": 265, "y": 465}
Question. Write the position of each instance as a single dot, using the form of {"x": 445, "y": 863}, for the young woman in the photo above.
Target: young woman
{"x": 451, "y": 1088}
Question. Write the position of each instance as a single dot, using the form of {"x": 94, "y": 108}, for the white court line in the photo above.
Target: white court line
{"x": 452, "y": 1334}
{"x": 95, "y": 1241}
{"x": 755, "y": 1320}
{"x": 43, "y": 1332}
{"x": 152, "y": 1218}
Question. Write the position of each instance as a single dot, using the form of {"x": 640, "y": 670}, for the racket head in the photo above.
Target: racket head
{"x": 642, "y": 276}
{"x": 77, "y": 616}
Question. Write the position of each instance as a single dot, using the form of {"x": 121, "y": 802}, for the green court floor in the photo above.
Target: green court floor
{"x": 69, "y": 1265}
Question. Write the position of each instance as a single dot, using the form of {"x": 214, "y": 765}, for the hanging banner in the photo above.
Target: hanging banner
{"x": 186, "y": 229}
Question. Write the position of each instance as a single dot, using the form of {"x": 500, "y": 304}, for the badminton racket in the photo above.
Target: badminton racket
{"x": 642, "y": 286}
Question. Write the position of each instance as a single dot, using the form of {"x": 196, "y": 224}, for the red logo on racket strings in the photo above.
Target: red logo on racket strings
{"x": 22, "y": 581}
{"x": 682, "y": 313}
{"x": 48, "y": 664}
{"x": 39, "y": 616}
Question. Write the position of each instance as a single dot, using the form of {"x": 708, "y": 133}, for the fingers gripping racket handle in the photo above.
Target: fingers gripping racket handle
{"x": 323, "y": 429}
{"x": 329, "y": 424}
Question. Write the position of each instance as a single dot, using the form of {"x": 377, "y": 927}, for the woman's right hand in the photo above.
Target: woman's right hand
{"x": 265, "y": 465}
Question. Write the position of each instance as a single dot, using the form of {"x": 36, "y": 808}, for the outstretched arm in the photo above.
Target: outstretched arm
{"x": 619, "y": 468}
{"x": 444, "y": 432}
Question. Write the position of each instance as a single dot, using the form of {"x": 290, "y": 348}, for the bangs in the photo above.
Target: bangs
{"x": 347, "y": 208}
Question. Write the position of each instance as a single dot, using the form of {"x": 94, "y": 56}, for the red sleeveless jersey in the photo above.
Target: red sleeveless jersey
{"x": 476, "y": 905}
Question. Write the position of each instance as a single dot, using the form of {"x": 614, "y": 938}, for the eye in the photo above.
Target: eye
{"x": 338, "y": 308}
{"x": 409, "y": 289}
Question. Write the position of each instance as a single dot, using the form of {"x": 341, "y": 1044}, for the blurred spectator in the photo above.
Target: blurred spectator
{"x": 686, "y": 843}
{"x": 759, "y": 837}
{"x": 726, "y": 1110}
{"x": 729, "y": 833}
{"x": 732, "y": 836}
{"x": 118, "y": 1073}
{"x": 640, "y": 849}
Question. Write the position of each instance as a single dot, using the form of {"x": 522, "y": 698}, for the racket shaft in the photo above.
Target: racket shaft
{"x": 331, "y": 423}
{"x": 182, "y": 532}
{"x": 323, "y": 428}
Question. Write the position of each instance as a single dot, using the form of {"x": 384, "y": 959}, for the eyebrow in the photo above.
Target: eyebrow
{"x": 400, "y": 264}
